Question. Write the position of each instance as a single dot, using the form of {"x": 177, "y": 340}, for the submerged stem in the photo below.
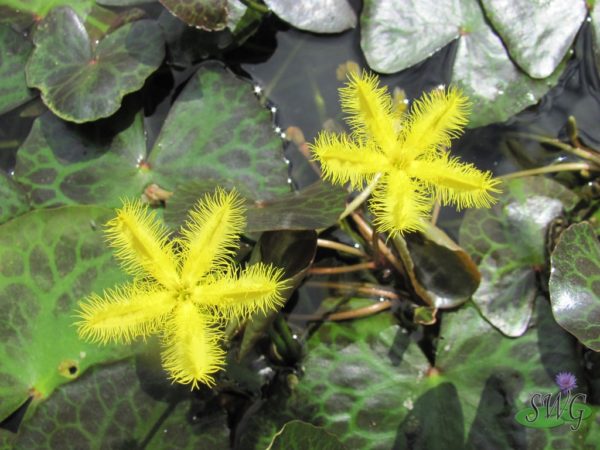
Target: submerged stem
{"x": 360, "y": 198}
{"x": 324, "y": 243}
{"x": 566, "y": 167}
{"x": 343, "y": 269}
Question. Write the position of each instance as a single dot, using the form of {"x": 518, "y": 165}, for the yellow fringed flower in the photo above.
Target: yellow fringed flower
{"x": 407, "y": 150}
{"x": 185, "y": 295}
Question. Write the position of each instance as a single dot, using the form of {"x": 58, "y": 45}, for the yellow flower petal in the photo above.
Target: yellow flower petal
{"x": 369, "y": 109}
{"x": 344, "y": 161}
{"x": 123, "y": 313}
{"x": 454, "y": 182}
{"x": 211, "y": 234}
{"x": 141, "y": 243}
{"x": 434, "y": 119}
{"x": 399, "y": 204}
{"x": 192, "y": 353}
{"x": 258, "y": 287}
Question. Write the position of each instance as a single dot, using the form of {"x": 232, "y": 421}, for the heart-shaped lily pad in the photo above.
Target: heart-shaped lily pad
{"x": 81, "y": 80}
{"x": 329, "y": 16}
{"x": 210, "y": 15}
{"x": 398, "y": 35}
{"x": 13, "y": 201}
{"x": 575, "y": 283}
{"x": 14, "y": 51}
{"x": 49, "y": 260}
{"x": 507, "y": 242}
{"x": 216, "y": 129}
{"x": 112, "y": 407}
{"x": 536, "y": 33}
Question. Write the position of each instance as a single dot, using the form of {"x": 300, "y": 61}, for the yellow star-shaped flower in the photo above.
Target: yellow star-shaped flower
{"x": 407, "y": 151}
{"x": 183, "y": 289}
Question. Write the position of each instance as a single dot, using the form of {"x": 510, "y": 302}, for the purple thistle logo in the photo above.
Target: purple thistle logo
{"x": 566, "y": 382}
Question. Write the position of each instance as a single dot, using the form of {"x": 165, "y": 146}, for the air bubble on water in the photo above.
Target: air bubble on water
{"x": 273, "y": 109}
{"x": 530, "y": 96}
{"x": 357, "y": 245}
{"x": 257, "y": 89}
{"x": 282, "y": 135}
{"x": 381, "y": 299}
{"x": 277, "y": 130}
{"x": 287, "y": 161}
{"x": 289, "y": 180}
{"x": 408, "y": 404}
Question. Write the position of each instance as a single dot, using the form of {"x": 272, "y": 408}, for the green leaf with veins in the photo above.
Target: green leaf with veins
{"x": 81, "y": 80}
{"x": 537, "y": 33}
{"x": 326, "y": 16}
{"x": 507, "y": 241}
{"x": 397, "y": 35}
{"x": 49, "y": 260}
{"x": 41, "y": 8}
{"x": 317, "y": 206}
{"x": 15, "y": 48}
{"x": 112, "y": 407}
{"x": 302, "y": 436}
{"x": 215, "y": 130}
{"x": 13, "y": 201}
{"x": 210, "y": 15}
{"x": 575, "y": 283}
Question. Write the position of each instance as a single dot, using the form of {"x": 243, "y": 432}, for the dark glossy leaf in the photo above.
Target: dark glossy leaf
{"x": 329, "y": 16}
{"x": 304, "y": 436}
{"x": 396, "y": 37}
{"x": 507, "y": 242}
{"x": 317, "y": 206}
{"x": 49, "y": 260}
{"x": 62, "y": 163}
{"x": 441, "y": 272}
{"x": 14, "y": 51}
{"x": 575, "y": 283}
{"x": 217, "y": 129}
{"x": 111, "y": 407}
{"x": 81, "y": 80}
{"x": 210, "y": 15}
{"x": 540, "y": 42}
{"x": 13, "y": 201}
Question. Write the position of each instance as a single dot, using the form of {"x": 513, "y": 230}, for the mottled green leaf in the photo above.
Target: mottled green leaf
{"x": 440, "y": 271}
{"x": 575, "y": 283}
{"x": 210, "y": 15}
{"x": 217, "y": 129}
{"x": 41, "y": 8}
{"x": 397, "y": 35}
{"x": 536, "y": 33}
{"x": 111, "y": 407}
{"x": 63, "y": 163}
{"x": 329, "y": 16}
{"x": 317, "y": 206}
{"x": 81, "y": 80}
{"x": 50, "y": 259}
{"x": 13, "y": 201}
{"x": 14, "y": 51}
{"x": 507, "y": 242}
{"x": 304, "y": 436}
{"x": 123, "y": 2}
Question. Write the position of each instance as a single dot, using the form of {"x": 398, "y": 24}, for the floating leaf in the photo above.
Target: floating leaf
{"x": 536, "y": 33}
{"x": 575, "y": 283}
{"x": 210, "y": 15}
{"x": 302, "y": 436}
{"x": 317, "y": 206}
{"x": 124, "y": 2}
{"x": 395, "y": 38}
{"x": 13, "y": 201}
{"x": 41, "y": 8}
{"x": 329, "y": 16}
{"x": 441, "y": 272}
{"x": 111, "y": 407}
{"x": 14, "y": 51}
{"x": 49, "y": 259}
{"x": 83, "y": 81}
{"x": 507, "y": 242}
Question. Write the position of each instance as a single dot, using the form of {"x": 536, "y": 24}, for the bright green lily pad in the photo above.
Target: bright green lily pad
{"x": 13, "y": 201}
{"x": 317, "y": 206}
{"x": 81, "y": 80}
{"x": 61, "y": 163}
{"x": 507, "y": 241}
{"x": 49, "y": 260}
{"x": 302, "y": 436}
{"x": 537, "y": 33}
{"x": 575, "y": 283}
{"x": 217, "y": 129}
{"x": 210, "y": 15}
{"x": 330, "y": 16}
{"x": 396, "y": 38}
{"x": 14, "y": 51}
{"x": 111, "y": 407}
